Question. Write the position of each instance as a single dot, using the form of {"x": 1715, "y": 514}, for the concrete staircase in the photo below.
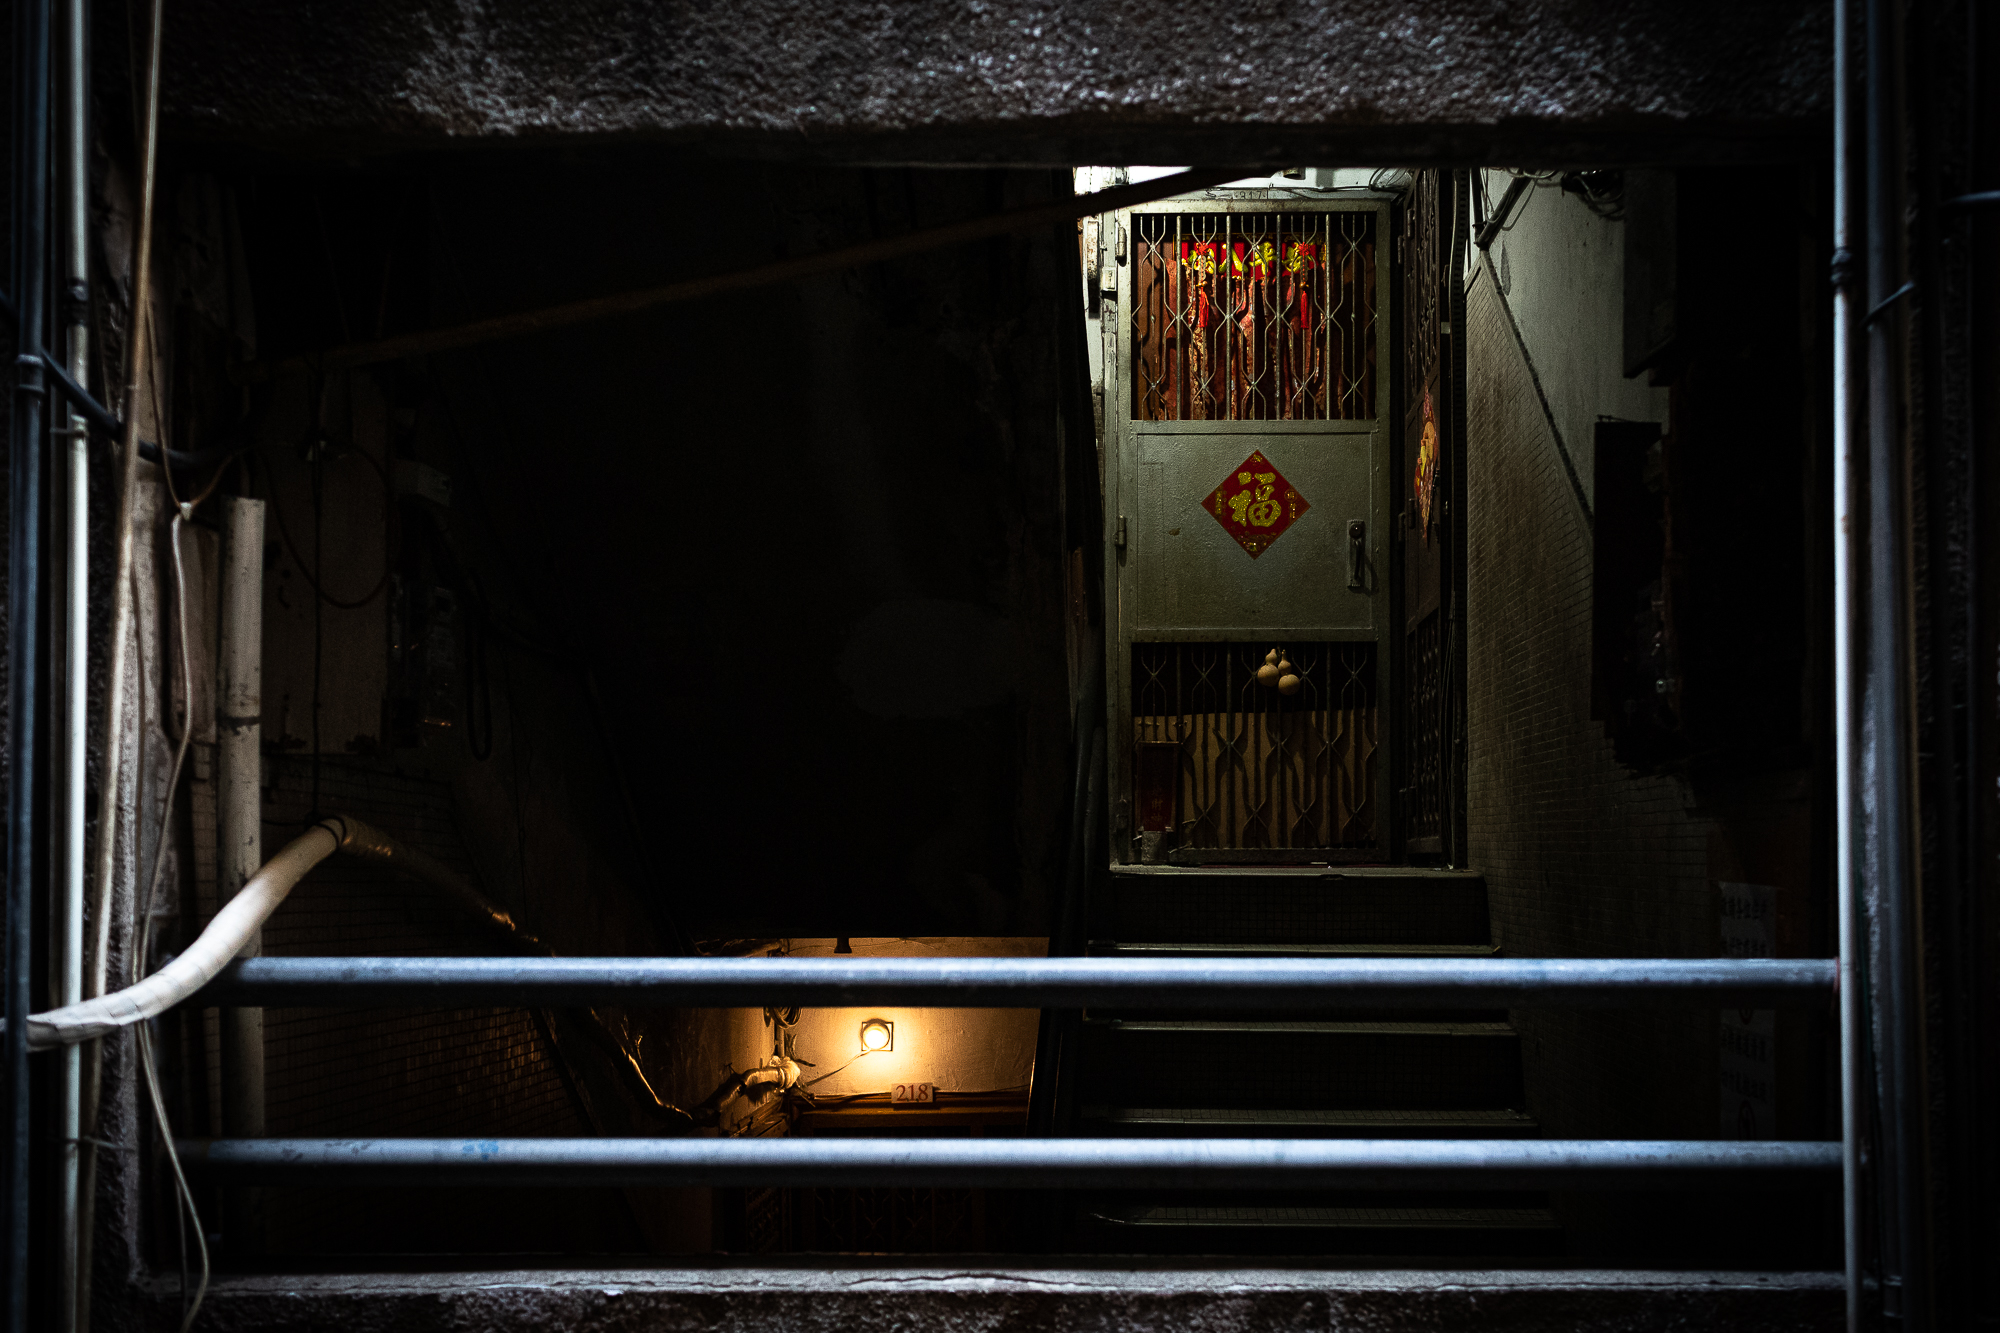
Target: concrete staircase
{"x": 1325, "y": 1074}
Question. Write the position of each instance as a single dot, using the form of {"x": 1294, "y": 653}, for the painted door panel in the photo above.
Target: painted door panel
{"x": 1187, "y": 574}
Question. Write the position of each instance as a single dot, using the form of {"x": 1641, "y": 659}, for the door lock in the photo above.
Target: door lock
{"x": 1357, "y": 554}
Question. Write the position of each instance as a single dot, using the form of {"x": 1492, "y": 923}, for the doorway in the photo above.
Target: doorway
{"x": 1247, "y": 485}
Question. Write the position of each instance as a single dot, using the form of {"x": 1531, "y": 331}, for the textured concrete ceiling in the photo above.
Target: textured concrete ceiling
{"x": 1201, "y": 81}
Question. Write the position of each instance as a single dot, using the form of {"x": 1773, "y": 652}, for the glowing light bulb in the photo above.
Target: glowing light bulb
{"x": 877, "y": 1035}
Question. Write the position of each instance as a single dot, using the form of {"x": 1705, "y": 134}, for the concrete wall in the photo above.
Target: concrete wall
{"x": 1583, "y": 857}
{"x": 1561, "y": 269}
{"x": 958, "y": 1050}
{"x": 1368, "y": 82}
{"x": 473, "y": 1072}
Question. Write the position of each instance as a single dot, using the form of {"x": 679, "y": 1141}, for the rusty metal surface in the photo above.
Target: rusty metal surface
{"x": 1377, "y": 81}
{"x": 1132, "y": 1295}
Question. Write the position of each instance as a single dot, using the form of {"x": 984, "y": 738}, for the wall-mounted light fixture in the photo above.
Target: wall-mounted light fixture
{"x": 878, "y": 1035}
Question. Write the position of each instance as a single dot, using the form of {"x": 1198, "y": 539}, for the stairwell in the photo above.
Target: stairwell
{"x": 1318, "y": 1074}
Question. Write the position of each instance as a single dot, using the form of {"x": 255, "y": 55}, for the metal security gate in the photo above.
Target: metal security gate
{"x": 1228, "y": 762}
{"x": 1247, "y": 493}
{"x": 1253, "y": 317}
{"x": 1430, "y": 245}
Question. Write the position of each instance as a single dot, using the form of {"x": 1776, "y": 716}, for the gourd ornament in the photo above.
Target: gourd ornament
{"x": 1288, "y": 679}
{"x": 1268, "y": 673}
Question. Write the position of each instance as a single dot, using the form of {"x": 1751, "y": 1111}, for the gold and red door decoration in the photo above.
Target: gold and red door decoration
{"x": 1423, "y": 486}
{"x": 1255, "y": 504}
{"x": 1254, "y": 317}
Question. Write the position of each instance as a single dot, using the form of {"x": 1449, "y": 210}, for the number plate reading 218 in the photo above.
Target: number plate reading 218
{"x": 912, "y": 1094}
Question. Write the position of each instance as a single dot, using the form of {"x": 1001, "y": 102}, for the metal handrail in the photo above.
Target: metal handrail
{"x": 1018, "y": 1163}
{"x": 1024, "y": 983}
{"x": 1119, "y": 983}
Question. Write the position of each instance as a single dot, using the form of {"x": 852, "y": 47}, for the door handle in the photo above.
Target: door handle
{"x": 1357, "y": 554}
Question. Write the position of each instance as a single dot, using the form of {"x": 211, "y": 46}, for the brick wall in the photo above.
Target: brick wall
{"x": 472, "y": 1072}
{"x": 1584, "y": 857}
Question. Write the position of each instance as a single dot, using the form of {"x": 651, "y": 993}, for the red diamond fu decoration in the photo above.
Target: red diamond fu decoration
{"x": 1255, "y": 504}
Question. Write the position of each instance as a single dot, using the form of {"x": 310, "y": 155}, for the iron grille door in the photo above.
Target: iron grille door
{"x": 1247, "y": 488}
{"x": 1429, "y": 244}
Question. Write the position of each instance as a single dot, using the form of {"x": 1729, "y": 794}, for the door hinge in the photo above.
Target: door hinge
{"x": 1118, "y": 534}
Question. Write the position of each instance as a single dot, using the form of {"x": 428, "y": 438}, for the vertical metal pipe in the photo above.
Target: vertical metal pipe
{"x": 24, "y": 490}
{"x": 75, "y": 490}
{"x": 117, "y": 655}
{"x": 238, "y": 816}
{"x": 1847, "y": 898}
{"x": 1889, "y": 714}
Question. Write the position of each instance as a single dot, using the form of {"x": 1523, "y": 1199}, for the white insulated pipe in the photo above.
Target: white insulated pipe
{"x": 240, "y": 919}
{"x": 239, "y": 813}
{"x": 235, "y": 925}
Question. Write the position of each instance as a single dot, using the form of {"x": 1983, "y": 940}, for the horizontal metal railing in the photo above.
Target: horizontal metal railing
{"x": 1016, "y": 1163}
{"x": 1063, "y": 983}
{"x": 1029, "y": 983}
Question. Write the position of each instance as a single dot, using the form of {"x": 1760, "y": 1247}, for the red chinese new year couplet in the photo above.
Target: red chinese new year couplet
{"x": 1255, "y": 504}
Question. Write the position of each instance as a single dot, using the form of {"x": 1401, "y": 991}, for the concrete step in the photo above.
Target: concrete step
{"x": 1407, "y": 1227}
{"x": 1292, "y": 905}
{"x": 1306, "y": 1123}
{"x": 949, "y": 1294}
{"x": 1275, "y": 1065}
{"x": 1111, "y": 949}
{"x": 1156, "y": 949}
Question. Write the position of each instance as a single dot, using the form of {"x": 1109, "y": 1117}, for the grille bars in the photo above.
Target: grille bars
{"x": 1254, "y": 316}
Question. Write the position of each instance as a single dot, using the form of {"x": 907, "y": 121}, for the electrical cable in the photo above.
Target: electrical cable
{"x": 477, "y": 677}
{"x": 162, "y": 413}
{"x": 312, "y": 576}
{"x": 180, "y": 1178}
{"x": 318, "y": 446}
{"x": 138, "y": 958}
{"x": 1600, "y": 191}
{"x": 319, "y": 602}
{"x": 146, "y": 924}
{"x": 102, "y": 419}
{"x": 849, "y": 1065}
{"x": 514, "y": 767}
